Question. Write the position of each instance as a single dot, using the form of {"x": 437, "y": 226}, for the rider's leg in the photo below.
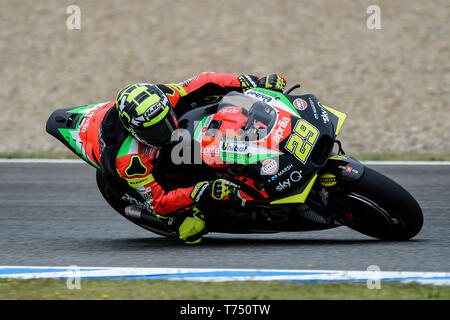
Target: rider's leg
{"x": 188, "y": 226}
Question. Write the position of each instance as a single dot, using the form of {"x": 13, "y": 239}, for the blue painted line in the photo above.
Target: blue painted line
{"x": 162, "y": 277}
{"x": 414, "y": 278}
{"x": 238, "y": 274}
{"x": 368, "y": 279}
{"x": 212, "y": 274}
{"x": 328, "y": 280}
{"x": 302, "y": 276}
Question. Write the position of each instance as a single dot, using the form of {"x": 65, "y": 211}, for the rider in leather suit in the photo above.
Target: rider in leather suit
{"x": 135, "y": 131}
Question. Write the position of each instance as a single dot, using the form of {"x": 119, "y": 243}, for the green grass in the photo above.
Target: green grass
{"x": 406, "y": 156}
{"x": 53, "y": 289}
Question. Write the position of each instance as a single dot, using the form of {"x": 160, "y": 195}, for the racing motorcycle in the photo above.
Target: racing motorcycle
{"x": 280, "y": 150}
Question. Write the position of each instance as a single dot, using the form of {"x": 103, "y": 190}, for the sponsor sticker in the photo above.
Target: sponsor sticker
{"x": 349, "y": 169}
{"x": 328, "y": 180}
{"x": 324, "y": 116}
{"x": 210, "y": 151}
{"x": 127, "y": 198}
{"x": 313, "y": 106}
{"x": 300, "y": 104}
{"x": 232, "y": 110}
{"x": 259, "y": 95}
{"x": 269, "y": 167}
{"x": 205, "y": 127}
{"x": 234, "y": 147}
{"x": 295, "y": 176}
{"x": 85, "y": 123}
{"x": 282, "y": 171}
{"x": 152, "y": 110}
{"x": 279, "y": 131}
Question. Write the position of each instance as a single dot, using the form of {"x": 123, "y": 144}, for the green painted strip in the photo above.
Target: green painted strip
{"x": 199, "y": 128}
{"x": 82, "y": 109}
{"x": 66, "y": 133}
{"x": 238, "y": 158}
{"x": 279, "y": 95}
{"x": 125, "y": 147}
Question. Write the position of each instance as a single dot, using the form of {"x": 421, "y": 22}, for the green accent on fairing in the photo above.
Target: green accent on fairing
{"x": 340, "y": 115}
{"x": 83, "y": 109}
{"x": 338, "y": 157}
{"x": 280, "y": 95}
{"x": 298, "y": 198}
{"x": 239, "y": 158}
{"x": 161, "y": 216}
{"x": 66, "y": 133}
{"x": 199, "y": 128}
{"x": 125, "y": 147}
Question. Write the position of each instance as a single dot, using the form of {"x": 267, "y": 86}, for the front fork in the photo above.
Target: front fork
{"x": 338, "y": 174}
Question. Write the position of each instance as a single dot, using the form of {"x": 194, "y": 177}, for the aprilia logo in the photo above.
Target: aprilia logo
{"x": 282, "y": 124}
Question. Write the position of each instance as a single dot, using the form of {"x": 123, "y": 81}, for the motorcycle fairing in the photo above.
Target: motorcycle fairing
{"x": 284, "y": 113}
{"x": 345, "y": 168}
{"x": 77, "y": 128}
{"x": 298, "y": 197}
{"x": 337, "y": 118}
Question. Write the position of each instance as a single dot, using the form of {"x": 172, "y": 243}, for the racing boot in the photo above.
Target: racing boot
{"x": 193, "y": 227}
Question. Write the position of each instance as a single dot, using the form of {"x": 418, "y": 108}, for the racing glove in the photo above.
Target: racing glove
{"x": 248, "y": 82}
{"x": 219, "y": 189}
{"x": 272, "y": 82}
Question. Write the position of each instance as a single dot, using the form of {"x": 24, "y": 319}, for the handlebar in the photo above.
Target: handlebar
{"x": 292, "y": 88}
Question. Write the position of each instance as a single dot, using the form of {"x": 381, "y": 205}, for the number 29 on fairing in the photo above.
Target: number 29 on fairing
{"x": 302, "y": 140}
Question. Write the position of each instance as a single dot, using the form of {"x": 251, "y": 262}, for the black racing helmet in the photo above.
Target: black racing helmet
{"x": 146, "y": 113}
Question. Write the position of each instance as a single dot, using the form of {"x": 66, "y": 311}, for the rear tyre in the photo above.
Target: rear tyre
{"x": 379, "y": 207}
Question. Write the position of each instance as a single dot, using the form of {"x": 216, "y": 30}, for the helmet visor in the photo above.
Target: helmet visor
{"x": 160, "y": 132}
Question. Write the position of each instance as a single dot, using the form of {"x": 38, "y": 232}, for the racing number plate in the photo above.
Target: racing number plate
{"x": 302, "y": 140}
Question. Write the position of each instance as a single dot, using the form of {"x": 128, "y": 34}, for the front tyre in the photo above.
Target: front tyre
{"x": 379, "y": 207}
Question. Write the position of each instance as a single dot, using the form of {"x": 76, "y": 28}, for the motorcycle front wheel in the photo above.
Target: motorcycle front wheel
{"x": 379, "y": 207}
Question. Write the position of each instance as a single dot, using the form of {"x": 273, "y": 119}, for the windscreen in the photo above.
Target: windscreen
{"x": 261, "y": 116}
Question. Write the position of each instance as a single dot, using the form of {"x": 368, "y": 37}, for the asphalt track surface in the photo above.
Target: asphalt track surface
{"x": 53, "y": 215}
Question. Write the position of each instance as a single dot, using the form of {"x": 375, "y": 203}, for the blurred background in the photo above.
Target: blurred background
{"x": 393, "y": 82}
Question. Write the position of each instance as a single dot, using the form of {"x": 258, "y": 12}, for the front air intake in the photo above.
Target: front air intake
{"x": 322, "y": 150}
